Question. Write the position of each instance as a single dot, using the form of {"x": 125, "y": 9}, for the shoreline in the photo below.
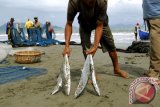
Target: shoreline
{"x": 121, "y": 39}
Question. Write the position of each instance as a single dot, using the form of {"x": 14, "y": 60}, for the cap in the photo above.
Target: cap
{"x": 47, "y": 22}
{"x": 35, "y": 17}
{"x": 12, "y": 19}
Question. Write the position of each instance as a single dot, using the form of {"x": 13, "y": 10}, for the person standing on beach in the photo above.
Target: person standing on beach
{"x": 92, "y": 16}
{"x": 151, "y": 14}
{"x": 37, "y": 29}
{"x": 49, "y": 31}
{"x": 136, "y": 28}
{"x": 29, "y": 25}
{"x": 9, "y": 29}
{"x": 36, "y": 23}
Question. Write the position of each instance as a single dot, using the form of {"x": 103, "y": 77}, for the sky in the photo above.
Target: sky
{"x": 119, "y": 11}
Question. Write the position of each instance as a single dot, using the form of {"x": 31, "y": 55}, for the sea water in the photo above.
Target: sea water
{"x": 122, "y": 39}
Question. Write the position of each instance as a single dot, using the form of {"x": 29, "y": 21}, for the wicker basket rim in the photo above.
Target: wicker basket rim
{"x": 24, "y": 53}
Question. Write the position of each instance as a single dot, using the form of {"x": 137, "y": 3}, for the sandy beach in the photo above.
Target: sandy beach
{"x": 36, "y": 91}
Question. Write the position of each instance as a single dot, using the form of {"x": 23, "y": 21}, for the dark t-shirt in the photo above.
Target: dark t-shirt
{"x": 88, "y": 18}
{"x": 9, "y": 26}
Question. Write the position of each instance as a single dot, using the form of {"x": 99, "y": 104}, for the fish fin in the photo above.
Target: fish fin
{"x": 58, "y": 86}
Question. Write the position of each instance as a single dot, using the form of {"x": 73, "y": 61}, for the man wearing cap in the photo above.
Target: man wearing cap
{"x": 37, "y": 29}
{"x": 36, "y": 23}
{"x": 92, "y": 16}
{"x": 9, "y": 29}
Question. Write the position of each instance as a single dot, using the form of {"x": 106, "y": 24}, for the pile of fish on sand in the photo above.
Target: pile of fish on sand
{"x": 64, "y": 78}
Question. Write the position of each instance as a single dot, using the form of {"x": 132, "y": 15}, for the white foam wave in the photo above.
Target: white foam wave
{"x": 119, "y": 37}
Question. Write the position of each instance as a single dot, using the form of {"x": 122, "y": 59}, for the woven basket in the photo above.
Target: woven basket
{"x": 28, "y": 57}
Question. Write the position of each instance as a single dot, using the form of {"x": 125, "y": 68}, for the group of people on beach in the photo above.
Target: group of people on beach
{"x": 30, "y": 27}
{"x": 92, "y": 16}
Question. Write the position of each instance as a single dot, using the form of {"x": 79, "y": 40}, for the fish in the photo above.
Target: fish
{"x": 67, "y": 78}
{"x": 87, "y": 71}
{"x": 84, "y": 78}
{"x": 93, "y": 77}
{"x": 64, "y": 78}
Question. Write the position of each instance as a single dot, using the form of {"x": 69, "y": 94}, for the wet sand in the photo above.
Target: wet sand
{"x": 36, "y": 91}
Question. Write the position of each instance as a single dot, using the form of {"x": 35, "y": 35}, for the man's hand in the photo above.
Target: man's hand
{"x": 91, "y": 51}
{"x": 67, "y": 51}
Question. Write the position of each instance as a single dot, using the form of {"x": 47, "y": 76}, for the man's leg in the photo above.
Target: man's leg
{"x": 85, "y": 40}
{"x": 136, "y": 36}
{"x": 28, "y": 32}
{"x": 114, "y": 58}
{"x": 154, "y": 28}
{"x": 107, "y": 43}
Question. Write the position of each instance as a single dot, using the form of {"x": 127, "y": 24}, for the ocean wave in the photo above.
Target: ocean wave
{"x": 119, "y": 37}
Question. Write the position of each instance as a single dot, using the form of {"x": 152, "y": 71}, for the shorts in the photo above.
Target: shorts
{"x": 107, "y": 41}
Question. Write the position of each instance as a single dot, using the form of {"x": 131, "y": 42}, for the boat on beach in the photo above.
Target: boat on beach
{"x": 143, "y": 35}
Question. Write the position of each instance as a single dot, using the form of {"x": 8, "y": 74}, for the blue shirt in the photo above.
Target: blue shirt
{"x": 151, "y": 9}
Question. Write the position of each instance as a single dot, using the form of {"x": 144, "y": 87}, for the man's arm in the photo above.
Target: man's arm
{"x": 98, "y": 35}
{"x": 99, "y": 28}
{"x": 68, "y": 33}
{"x": 71, "y": 13}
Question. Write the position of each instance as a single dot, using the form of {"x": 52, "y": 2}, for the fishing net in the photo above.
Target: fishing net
{"x": 13, "y": 73}
{"x": 35, "y": 38}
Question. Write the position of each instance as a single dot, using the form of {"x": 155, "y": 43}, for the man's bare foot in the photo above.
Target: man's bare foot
{"x": 122, "y": 73}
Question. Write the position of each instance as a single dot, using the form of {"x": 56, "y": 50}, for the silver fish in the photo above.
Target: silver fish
{"x": 96, "y": 88}
{"x": 66, "y": 73}
{"x": 64, "y": 79}
{"x": 84, "y": 78}
{"x": 88, "y": 69}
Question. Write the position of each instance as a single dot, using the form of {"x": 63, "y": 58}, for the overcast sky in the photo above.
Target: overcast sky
{"x": 120, "y": 11}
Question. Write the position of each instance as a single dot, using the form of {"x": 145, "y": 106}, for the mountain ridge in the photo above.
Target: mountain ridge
{"x": 114, "y": 28}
